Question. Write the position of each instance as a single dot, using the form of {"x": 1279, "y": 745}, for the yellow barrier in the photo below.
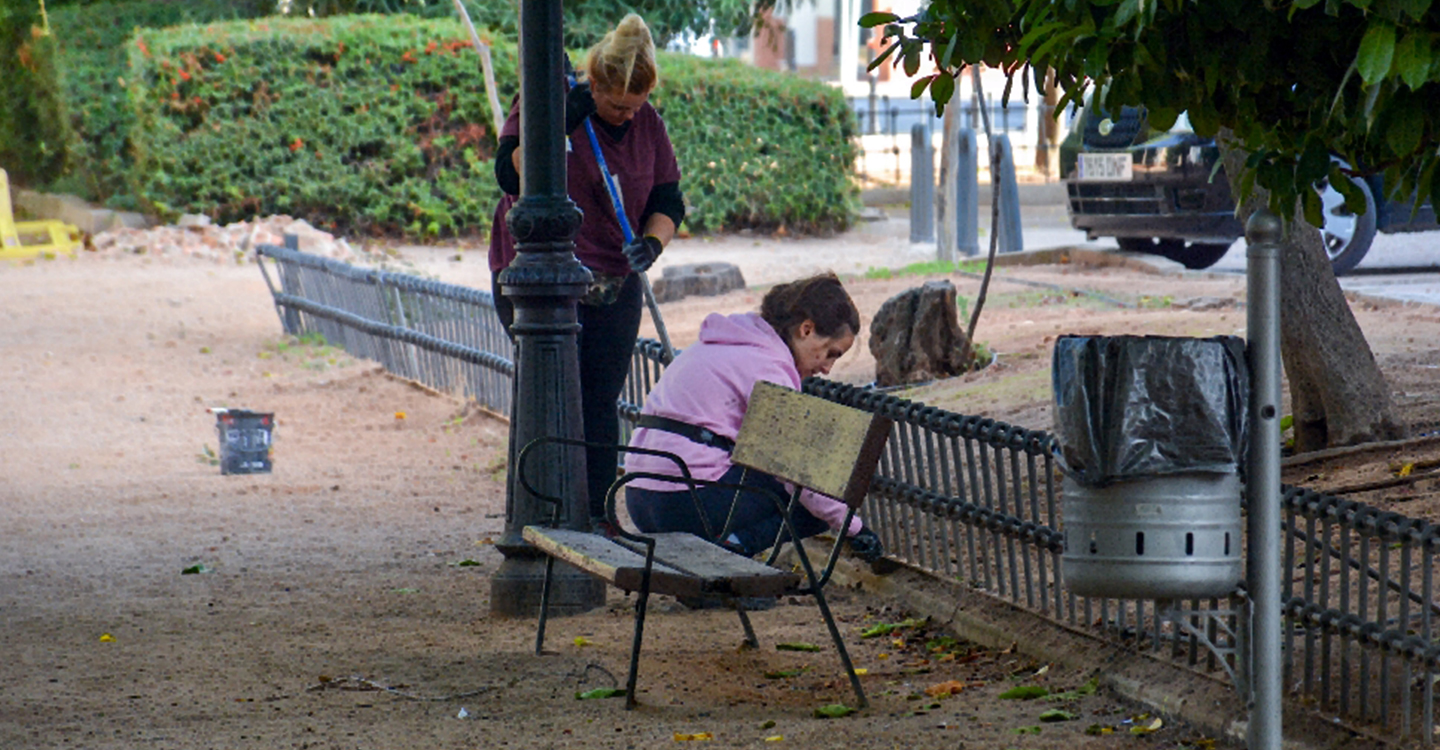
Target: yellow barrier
{"x": 28, "y": 239}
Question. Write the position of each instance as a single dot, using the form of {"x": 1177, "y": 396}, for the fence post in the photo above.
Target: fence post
{"x": 1003, "y": 162}
{"x": 922, "y": 185}
{"x": 1263, "y": 233}
{"x": 967, "y": 193}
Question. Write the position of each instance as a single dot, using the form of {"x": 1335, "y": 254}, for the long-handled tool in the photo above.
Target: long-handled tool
{"x": 630, "y": 237}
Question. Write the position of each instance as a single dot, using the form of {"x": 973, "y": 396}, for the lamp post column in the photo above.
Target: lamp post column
{"x": 543, "y": 283}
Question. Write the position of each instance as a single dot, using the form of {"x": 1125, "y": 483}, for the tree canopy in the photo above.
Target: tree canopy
{"x": 1294, "y": 81}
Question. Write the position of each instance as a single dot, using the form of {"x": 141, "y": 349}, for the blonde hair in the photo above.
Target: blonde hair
{"x": 624, "y": 61}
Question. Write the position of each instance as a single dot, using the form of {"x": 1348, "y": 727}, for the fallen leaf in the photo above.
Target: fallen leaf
{"x": 691, "y": 737}
{"x": 1406, "y": 469}
{"x": 886, "y": 628}
{"x": 775, "y": 738}
{"x": 107, "y": 638}
{"x": 945, "y": 689}
{"x": 195, "y": 570}
{"x": 833, "y": 711}
{"x": 769, "y": 724}
{"x": 399, "y": 415}
{"x": 467, "y": 563}
{"x": 581, "y": 641}
{"x": 597, "y": 693}
{"x": 783, "y": 673}
{"x": 861, "y": 671}
{"x": 1024, "y": 693}
{"x": 1099, "y": 729}
{"x": 796, "y": 647}
{"x": 1058, "y": 714}
{"x": 1148, "y": 728}
{"x": 1026, "y": 730}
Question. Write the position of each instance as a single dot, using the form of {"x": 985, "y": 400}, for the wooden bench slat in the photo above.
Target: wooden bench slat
{"x": 721, "y": 571}
{"x": 602, "y": 558}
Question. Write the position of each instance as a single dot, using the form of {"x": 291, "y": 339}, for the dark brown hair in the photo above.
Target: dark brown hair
{"x": 624, "y": 61}
{"x": 821, "y": 299}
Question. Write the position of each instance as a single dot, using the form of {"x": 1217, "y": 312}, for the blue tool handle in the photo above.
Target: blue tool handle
{"x": 610, "y": 184}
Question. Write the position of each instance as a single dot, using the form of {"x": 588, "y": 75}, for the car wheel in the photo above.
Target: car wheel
{"x": 1346, "y": 235}
{"x": 1193, "y": 255}
{"x": 1197, "y": 255}
{"x": 1152, "y": 245}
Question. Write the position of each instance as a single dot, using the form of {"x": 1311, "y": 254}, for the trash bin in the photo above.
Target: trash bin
{"x": 245, "y": 438}
{"x": 1151, "y": 437}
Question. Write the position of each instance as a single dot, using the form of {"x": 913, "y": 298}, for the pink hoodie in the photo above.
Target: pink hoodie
{"x": 709, "y": 385}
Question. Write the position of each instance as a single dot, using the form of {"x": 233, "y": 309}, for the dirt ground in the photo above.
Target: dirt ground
{"x": 363, "y": 560}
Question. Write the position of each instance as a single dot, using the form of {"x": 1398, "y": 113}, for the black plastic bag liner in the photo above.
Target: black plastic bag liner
{"x": 1137, "y": 407}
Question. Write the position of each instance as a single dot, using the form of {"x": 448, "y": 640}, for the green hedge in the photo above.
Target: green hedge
{"x": 378, "y": 124}
{"x": 758, "y": 148}
{"x": 371, "y": 124}
{"x": 70, "y": 127}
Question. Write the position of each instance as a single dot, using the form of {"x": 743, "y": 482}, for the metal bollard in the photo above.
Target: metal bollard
{"x": 1011, "y": 238}
{"x": 967, "y": 193}
{"x": 922, "y": 185}
{"x": 1263, "y": 234}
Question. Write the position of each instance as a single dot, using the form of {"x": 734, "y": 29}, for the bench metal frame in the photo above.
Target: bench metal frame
{"x": 615, "y": 559}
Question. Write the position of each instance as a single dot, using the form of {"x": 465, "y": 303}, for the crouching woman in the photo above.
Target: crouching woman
{"x": 696, "y": 408}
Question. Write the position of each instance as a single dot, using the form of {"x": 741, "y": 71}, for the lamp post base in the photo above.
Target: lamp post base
{"x": 515, "y": 589}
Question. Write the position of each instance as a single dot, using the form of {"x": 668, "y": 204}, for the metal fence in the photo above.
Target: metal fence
{"x": 976, "y": 500}
{"x": 445, "y": 336}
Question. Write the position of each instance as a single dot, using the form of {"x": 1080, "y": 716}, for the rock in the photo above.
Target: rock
{"x": 193, "y": 221}
{"x": 697, "y": 279}
{"x": 916, "y": 336}
{"x": 228, "y": 244}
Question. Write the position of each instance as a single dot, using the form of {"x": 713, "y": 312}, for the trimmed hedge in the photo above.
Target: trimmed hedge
{"x": 758, "y": 148}
{"x": 368, "y": 123}
{"x": 70, "y": 127}
{"x": 378, "y": 124}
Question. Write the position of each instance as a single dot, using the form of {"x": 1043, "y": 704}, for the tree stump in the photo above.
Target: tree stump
{"x": 916, "y": 336}
{"x": 697, "y": 279}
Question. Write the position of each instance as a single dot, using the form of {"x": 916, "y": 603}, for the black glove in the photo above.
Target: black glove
{"x": 642, "y": 252}
{"x": 579, "y": 104}
{"x": 866, "y": 546}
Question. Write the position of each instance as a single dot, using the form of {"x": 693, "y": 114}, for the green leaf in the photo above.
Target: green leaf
{"x": 1377, "y": 52}
{"x": 871, "y": 20}
{"x": 1058, "y": 714}
{"x": 597, "y": 693}
{"x": 1407, "y": 125}
{"x": 918, "y": 87}
{"x": 942, "y": 89}
{"x": 1024, "y": 693}
{"x": 796, "y": 647}
{"x": 912, "y": 62}
{"x": 196, "y": 570}
{"x": 1026, "y": 730}
{"x": 467, "y": 563}
{"x": 1126, "y": 12}
{"x": 833, "y": 711}
{"x": 1412, "y": 59}
{"x": 883, "y": 56}
{"x": 784, "y": 674}
{"x": 886, "y": 628}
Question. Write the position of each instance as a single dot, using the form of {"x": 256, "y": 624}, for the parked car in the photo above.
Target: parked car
{"x": 1162, "y": 193}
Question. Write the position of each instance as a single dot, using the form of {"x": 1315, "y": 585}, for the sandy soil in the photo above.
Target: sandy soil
{"x": 363, "y": 559}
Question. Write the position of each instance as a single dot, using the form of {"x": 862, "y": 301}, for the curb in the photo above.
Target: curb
{"x": 1173, "y": 690}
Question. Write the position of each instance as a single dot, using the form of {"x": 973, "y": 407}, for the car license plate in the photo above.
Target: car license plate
{"x": 1106, "y": 167}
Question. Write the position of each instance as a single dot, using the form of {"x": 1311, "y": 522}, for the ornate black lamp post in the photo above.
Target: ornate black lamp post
{"x": 543, "y": 282}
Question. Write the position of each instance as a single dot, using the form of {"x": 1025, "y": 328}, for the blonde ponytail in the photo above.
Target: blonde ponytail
{"x": 624, "y": 61}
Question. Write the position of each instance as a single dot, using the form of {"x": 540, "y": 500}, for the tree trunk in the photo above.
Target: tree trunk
{"x": 1338, "y": 396}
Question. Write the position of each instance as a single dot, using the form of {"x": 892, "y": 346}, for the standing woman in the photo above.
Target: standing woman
{"x": 619, "y": 74}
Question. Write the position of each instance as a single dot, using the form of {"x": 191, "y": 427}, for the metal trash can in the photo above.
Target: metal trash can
{"x": 1151, "y": 436}
{"x": 245, "y": 440}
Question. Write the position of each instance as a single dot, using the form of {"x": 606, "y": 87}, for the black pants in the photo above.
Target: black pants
{"x": 606, "y": 340}
{"x": 756, "y": 521}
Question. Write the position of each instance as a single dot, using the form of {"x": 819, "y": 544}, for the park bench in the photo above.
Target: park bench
{"x": 803, "y": 440}
{"x": 28, "y": 239}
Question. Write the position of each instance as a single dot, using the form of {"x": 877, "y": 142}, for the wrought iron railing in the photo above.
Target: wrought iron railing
{"x": 445, "y": 336}
{"x": 976, "y": 500}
